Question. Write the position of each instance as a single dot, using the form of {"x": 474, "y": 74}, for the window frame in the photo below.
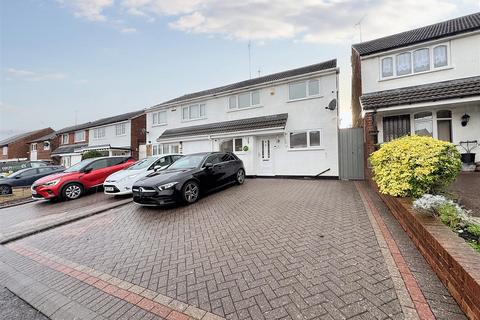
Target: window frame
{"x": 123, "y": 130}
{"x": 34, "y": 144}
{"x": 189, "y": 112}
{"x": 75, "y": 136}
{"x": 309, "y": 146}
{"x": 431, "y": 64}
{"x": 5, "y": 150}
{"x": 63, "y": 136}
{"x": 96, "y": 131}
{"x": 157, "y": 147}
{"x": 306, "y": 83}
{"x": 156, "y": 115}
{"x": 234, "y": 144}
{"x": 236, "y": 99}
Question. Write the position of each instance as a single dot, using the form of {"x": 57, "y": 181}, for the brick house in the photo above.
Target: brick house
{"x": 118, "y": 135}
{"x": 41, "y": 148}
{"x": 424, "y": 81}
{"x": 17, "y": 147}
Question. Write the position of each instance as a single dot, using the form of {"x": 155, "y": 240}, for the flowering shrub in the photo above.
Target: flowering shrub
{"x": 414, "y": 165}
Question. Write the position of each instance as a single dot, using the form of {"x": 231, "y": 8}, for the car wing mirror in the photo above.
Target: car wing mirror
{"x": 208, "y": 165}
{"x": 157, "y": 167}
{"x": 87, "y": 170}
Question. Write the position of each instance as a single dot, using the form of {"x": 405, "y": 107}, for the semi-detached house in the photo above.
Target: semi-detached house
{"x": 283, "y": 124}
{"x": 424, "y": 81}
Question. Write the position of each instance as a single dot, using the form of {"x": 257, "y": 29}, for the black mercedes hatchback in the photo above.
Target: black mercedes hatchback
{"x": 188, "y": 178}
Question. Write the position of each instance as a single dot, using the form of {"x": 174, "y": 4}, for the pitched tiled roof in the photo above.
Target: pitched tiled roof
{"x": 459, "y": 88}
{"x": 45, "y": 137}
{"x": 435, "y": 31}
{"x": 272, "y": 77}
{"x": 18, "y": 137}
{"x": 101, "y": 122}
{"x": 68, "y": 148}
{"x": 271, "y": 121}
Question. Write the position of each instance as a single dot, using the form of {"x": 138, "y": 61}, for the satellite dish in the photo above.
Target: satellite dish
{"x": 46, "y": 143}
{"x": 332, "y": 105}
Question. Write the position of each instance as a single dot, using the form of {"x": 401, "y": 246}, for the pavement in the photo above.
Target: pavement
{"x": 15, "y": 308}
{"x": 466, "y": 189}
{"x": 269, "y": 249}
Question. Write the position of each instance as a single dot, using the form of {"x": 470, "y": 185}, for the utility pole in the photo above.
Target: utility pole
{"x": 359, "y": 24}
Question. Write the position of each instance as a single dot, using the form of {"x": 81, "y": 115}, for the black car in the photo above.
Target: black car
{"x": 188, "y": 178}
{"x": 26, "y": 177}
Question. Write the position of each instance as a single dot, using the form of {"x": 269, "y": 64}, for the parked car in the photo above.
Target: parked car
{"x": 188, "y": 178}
{"x": 26, "y": 177}
{"x": 121, "y": 182}
{"x": 9, "y": 167}
{"x": 77, "y": 179}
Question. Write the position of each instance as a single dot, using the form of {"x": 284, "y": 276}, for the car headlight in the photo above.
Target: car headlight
{"x": 166, "y": 186}
{"x": 51, "y": 183}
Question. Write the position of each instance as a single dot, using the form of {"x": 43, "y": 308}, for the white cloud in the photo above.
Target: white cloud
{"x": 35, "y": 76}
{"x": 128, "y": 30}
{"x": 89, "y": 9}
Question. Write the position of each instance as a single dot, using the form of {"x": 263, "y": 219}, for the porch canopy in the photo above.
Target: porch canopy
{"x": 69, "y": 149}
{"x": 276, "y": 121}
{"x": 461, "y": 89}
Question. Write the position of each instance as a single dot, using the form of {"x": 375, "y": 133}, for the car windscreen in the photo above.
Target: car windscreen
{"x": 80, "y": 165}
{"x": 142, "y": 164}
{"x": 186, "y": 162}
{"x": 18, "y": 173}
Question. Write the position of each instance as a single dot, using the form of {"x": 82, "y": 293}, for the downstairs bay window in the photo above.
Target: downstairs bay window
{"x": 165, "y": 148}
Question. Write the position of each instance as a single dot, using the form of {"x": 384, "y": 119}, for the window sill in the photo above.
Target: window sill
{"x": 306, "y": 149}
{"x": 120, "y": 135}
{"x": 241, "y": 109}
{"x": 159, "y": 125}
{"x": 307, "y": 98}
{"x": 196, "y": 119}
{"x": 415, "y": 74}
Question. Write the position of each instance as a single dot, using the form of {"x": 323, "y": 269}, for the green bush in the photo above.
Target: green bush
{"x": 474, "y": 229}
{"x": 91, "y": 154}
{"x": 414, "y": 165}
{"x": 448, "y": 215}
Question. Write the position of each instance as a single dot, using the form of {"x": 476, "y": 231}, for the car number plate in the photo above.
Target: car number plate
{"x": 109, "y": 189}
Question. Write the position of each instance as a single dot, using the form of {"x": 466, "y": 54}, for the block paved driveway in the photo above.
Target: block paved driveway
{"x": 270, "y": 249}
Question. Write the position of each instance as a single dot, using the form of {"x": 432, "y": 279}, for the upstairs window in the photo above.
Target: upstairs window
{"x": 64, "y": 138}
{"x": 120, "y": 129}
{"x": 303, "y": 89}
{"x": 387, "y": 67}
{"x": 159, "y": 118}
{"x": 404, "y": 64}
{"x": 421, "y": 60}
{"x": 79, "y": 136}
{"x": 440, "y": 56}
{"x": 244, "y": 100}
{"x": 99, "y": 133}
{"x": 194, "y": 111}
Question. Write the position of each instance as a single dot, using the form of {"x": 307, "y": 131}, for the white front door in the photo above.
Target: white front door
{"x": 265, "y": 157}
{"x": 33, "y": 155}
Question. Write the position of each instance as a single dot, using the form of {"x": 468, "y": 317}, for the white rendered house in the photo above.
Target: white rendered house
{"x": 283, "y": 124}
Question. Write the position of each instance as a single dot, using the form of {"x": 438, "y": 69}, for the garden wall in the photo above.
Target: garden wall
{"x": 455, "y": 263}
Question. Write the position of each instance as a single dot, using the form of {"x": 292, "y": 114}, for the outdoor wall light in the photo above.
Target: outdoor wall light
{"x": 465, "y": 118}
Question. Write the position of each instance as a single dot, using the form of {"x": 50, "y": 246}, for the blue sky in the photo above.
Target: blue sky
{"x": 79, "y": 60}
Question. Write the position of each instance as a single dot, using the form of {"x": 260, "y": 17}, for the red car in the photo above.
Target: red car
{"x": 73, "y": 182}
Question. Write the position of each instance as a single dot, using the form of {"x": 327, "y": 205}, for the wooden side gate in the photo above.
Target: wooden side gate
{"x": 351, "y": 166}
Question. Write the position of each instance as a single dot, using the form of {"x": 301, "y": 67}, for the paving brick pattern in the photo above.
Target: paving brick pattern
{"x": 270, "y": 249}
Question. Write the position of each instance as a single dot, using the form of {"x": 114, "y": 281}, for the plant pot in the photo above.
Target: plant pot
{"x": 468, "y": 158}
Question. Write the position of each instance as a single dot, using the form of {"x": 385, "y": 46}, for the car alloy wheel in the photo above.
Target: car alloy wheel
{"x": 240, "y": 176}
{"x": 73, "y": 191}
{"x": 191, "y": 192}
{"x": 5, "y": 190}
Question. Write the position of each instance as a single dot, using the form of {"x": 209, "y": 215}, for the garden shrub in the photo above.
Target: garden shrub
{"x": 474, "y": 229}
{"x": 91, "y": 154}
{"x": 414, "y": 165}
{"x": 448, "y": 215}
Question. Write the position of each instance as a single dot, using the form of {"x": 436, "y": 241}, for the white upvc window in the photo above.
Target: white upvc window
{"x": 121, "y": 129}
{"x": 79, "y": 136}
{"x": 303, "y": 89}
{"x": 306, "y": 139}
{"x": 232, "y": 145}
{"x": 159, "y": 118}
{"x": 193, "y": 112}
{"x": 165, "y": 148}
{"x": 244, "y": 100}
{"x": 64, "y": 138}
{"x": 421, "y": 60}
{"x": 5, "y": 150}
{"x": 34, "y": 147}
{"x": 99, "y": 133}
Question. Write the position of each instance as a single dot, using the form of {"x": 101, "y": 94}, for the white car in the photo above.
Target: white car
{"x": 120, "y": 183}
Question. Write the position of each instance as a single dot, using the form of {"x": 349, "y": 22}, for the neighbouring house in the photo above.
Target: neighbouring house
{"x": 424, "y": 81}
{"x": 118, "y": 135}
{"x": 17, "y": 148}
{"x": 283, "y": 124}
{"x": 41, "y": 148}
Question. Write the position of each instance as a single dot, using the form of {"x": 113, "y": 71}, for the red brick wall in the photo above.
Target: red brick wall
{"x": 21, "y": 148}
{"x": 371, "y": 139}
{"x": 46, "y": 154}
{"x": 455, "y": 263}
{"x": 138, "y": 133}
{"x": 356, "y": 89}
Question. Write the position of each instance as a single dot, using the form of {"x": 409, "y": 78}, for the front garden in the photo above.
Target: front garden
{"x": 422, "y": 168}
